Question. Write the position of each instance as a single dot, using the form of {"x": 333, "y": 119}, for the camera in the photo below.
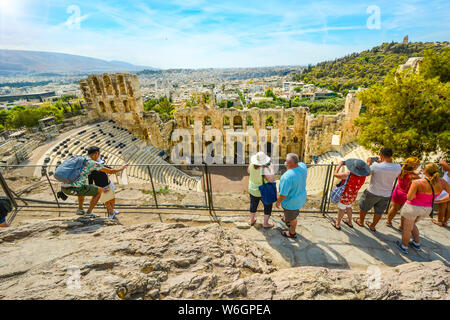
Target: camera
{"x": 375, "y": 159}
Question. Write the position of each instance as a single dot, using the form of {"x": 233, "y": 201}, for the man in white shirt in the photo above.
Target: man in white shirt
{"x": 383, "y": 174}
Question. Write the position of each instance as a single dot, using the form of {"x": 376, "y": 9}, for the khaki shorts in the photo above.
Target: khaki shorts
{"x": 290, "y": 215}
{"x": 410, "y": 212}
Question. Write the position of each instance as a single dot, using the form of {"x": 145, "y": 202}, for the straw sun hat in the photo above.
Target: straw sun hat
{"x": 260, "y": 159}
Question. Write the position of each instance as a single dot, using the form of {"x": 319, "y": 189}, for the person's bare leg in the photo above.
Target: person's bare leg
{"x": 416, "y": 234}
{"x": 376, "y": 219}
{"x": 349, "y": 215}
{"x": 339, "y": 218}
{"x": 407, "y": 229}
{"x": 402, "y": 222}
{"x": 293, "y": 226}
{"x": 266, "y": 221}
{"x": 252, "y": 217}
{"x": 109, "y": 207}
{"x": 362, "y": 216}
{"x": 447, "y": 214}
{"x": 80, "y": 202}
{"x": 94, "y": 200}
{"x": 395, "y": 207}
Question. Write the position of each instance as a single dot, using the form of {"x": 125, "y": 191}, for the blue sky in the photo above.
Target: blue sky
{"x": 201, "y": 34}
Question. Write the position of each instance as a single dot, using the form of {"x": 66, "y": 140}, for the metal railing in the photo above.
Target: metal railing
{"x": 19, "y": 202}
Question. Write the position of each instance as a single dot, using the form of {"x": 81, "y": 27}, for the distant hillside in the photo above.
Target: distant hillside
{"x": 365, "y": 68}
{"x": 31, "y": 62}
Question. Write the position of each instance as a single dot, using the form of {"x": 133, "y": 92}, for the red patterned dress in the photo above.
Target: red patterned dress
{"x": 351, "y": 189}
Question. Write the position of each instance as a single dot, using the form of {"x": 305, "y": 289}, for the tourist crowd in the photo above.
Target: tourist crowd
{"x": 410, "y": 192}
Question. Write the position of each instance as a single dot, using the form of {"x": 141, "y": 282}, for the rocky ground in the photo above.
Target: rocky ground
{"x": 69, "y": 258}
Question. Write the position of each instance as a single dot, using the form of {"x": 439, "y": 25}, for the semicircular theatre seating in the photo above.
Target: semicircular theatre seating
{"x": 118, "y": 146}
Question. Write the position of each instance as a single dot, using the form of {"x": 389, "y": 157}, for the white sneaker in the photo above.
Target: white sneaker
{"x": 116, "y": 212}
{"x": 80, "y": 212}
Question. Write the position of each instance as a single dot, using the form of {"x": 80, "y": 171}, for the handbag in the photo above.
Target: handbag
{"x": 336, "y": 193}
{"x": 268, "y": 192}
{"x": 107, "y": 195}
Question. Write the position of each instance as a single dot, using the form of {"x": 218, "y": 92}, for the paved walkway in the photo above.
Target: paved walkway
{"x": 319, "y": 244}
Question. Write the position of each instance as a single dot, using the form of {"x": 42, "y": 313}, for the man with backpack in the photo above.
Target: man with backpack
{"x": 81, "y": 167}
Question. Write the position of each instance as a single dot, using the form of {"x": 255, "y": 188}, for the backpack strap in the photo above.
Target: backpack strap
{"x": 432, "y": 201}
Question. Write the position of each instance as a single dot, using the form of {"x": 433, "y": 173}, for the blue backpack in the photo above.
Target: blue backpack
{"x": 336, "y": 193}
{"x": 70, "y": 170}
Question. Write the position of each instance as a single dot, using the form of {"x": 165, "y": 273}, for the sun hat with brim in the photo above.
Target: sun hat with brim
{"x": 358, "y": 167}
{"x": 260, "y": 159}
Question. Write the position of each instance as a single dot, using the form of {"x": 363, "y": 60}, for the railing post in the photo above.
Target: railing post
{"x": 322, "y": 209}
{"x": 44, "y": 169}
{"x": 330, "y": 186}
{"x": 153, "y": 186}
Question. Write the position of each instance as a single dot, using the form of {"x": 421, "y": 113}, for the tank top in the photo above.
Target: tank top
{"x": 254, "y": 181}
{"x": 422, "y": 199}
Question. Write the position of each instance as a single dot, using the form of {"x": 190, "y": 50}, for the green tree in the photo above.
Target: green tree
{"x": 408, "y": 114}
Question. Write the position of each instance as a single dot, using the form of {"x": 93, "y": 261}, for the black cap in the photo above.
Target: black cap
{"x": 93, "y": 150}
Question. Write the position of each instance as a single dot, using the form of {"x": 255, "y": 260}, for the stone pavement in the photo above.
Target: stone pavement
{"x": 319, "y": 244}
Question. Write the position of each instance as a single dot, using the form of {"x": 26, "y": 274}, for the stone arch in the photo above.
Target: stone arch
{"x": 97, "y": 85}
{"x": 237, "y": 121}
{"x": 207, "y": 121}
{"x": 102, "y": 106}
{"x": 130, "y": 88}
{"x": 113, "y": 106}
{"x": 107, "y": 83}
{"x": 269, "y": 121}
{"x": 226, "y": 121}
{"x": 126, "y": 107}
{"x": 295, "y": 140}
{"x": 121, "y": 81}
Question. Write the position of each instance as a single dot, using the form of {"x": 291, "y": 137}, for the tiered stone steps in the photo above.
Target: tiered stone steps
{"x": 118, "y": 146}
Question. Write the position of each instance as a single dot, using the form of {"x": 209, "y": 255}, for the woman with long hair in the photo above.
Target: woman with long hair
{"x": 405, "y": 178}
{"x": 419, "y": 203}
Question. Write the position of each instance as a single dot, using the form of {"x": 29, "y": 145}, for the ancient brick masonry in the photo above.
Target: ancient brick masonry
{"x": 117, "y": 97}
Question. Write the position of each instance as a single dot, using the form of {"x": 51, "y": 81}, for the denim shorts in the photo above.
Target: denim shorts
{"x": 254, "y": 201}
{"x": 2, "y": 220}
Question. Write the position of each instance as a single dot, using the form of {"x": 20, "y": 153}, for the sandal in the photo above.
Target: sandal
{"x": 333, "y": 223}
{"x": 355, "y": 220}
{"x": 252, "y": 224}
{"x": 269, "y": 227}
{"x": 284, "y": 233}
{"x": 347, "y": 223}
{"x": 368, "y": 224}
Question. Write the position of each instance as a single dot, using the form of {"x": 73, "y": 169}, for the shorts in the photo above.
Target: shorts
{"x": 344, "y": 206}
{"x": 410, "y": 212}
{"x": 254, "y": 201}
{"x": 85, "y": 190}
{"x": 399, "y": 196}
{"x": 369, "y": 200}
{"x": 290, "y": 215}
{"x": 2, "y": 220}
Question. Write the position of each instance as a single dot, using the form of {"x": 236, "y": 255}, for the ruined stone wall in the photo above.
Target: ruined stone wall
{"x": 117, "y": 97}
{"x": 322, "y": 128}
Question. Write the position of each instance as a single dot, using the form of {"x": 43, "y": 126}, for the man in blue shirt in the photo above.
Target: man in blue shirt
{"x": 292, "y": 193}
